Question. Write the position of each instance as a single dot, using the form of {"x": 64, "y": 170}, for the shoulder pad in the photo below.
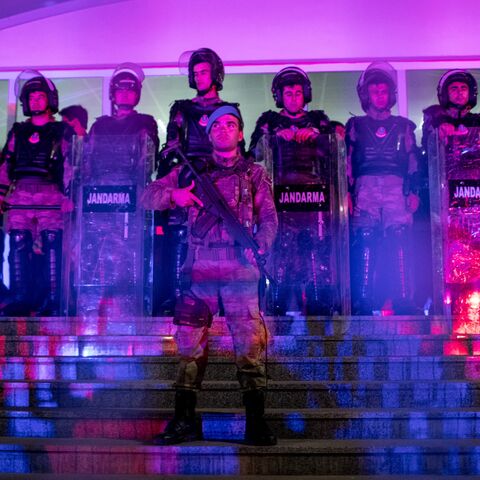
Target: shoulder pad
{"x": 433, "y": 110}
{"x": 268, "y": 117}
{"x": 350, "y": 123}
{"x": 319, "y": 115}
{"x": 405, "y": 122}
{"x": 179, "y": 105}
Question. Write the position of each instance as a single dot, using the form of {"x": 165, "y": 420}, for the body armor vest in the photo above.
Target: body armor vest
{"x": 130, "y": 125}
{"x": 194, "y": 140}
{"x": 469, "y": 120}
{"x": 379, "y": 147}
{"x": 295, "y": 162}
{"x": 235, "y": 186}
{"x": 38, "y": 152}
{"x": 435, "y": 115}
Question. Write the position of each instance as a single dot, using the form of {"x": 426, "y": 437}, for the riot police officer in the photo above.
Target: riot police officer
{"x": 457, "y": 95}
{"x": 297, "y": 158}
{"x": 186, "y": 130}
{"x": 292, "y": 91}
{"x": 77, "y": 117}
{"x": 220, "y": 269}
{"x": 124, "y": 92}
{"x": 118, "y": 156}
{"x": 382, "y": 171}
{"x": 33, "y": 161}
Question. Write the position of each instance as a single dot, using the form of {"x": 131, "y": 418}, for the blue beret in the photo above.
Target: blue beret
{"x": 219, "y": 112}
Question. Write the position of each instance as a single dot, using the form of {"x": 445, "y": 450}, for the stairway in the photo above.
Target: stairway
{"x": 356, "y": 398}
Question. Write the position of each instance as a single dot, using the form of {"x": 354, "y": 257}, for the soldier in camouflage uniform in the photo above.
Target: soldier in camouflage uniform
{"x": 219, "y": 268}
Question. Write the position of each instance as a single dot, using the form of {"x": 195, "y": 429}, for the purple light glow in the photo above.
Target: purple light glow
{"x": 154, "y": 33}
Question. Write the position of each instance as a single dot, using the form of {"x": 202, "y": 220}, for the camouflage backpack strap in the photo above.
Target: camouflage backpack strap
{"x": 245, "y": 207}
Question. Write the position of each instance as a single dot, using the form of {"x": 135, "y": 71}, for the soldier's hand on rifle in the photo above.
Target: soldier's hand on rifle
{"x": 287, "y": 134}
{"x": 305, "y": 134}
{"x": 183, "y": 197}
{"x": 248, "y": 254}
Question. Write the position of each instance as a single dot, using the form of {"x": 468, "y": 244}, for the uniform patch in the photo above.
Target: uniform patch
{"x": 35, "y": 138}
{"x": 464, "y": 193}
{"x": 109, "y": 198}
{"x": 381, "y": 132}
{"x": 203, "y": 120}
{"x": 302, "y": 198}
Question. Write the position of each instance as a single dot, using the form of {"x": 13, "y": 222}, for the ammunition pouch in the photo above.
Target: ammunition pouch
{"x": 204, "y": 223}
{"x": 192, "y": 311}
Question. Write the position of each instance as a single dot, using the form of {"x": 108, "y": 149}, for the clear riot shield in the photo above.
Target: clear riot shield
{"x": 455, "y": 213}
{"x": 69, "y": 240}
{"x": 310, "y": 259}
{"x": 111, "y": 234}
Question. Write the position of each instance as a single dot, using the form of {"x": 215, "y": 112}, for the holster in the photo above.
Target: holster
{"x": 192, "y": 311}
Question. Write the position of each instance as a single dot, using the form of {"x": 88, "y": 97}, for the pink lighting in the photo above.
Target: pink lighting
{"x": 455, "y": 347}
{"x": 155, "y": 33}
{"x": 467, "y": 313}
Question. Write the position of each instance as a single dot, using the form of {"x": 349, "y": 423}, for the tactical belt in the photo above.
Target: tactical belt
{"x": 218, "y": 253}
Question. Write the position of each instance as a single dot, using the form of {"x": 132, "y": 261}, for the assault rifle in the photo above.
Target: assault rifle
{"x": 218, "y": 209}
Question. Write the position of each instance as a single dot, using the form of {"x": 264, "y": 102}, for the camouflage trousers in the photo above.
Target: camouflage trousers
{"x": 379, "y": 201}
{"x": 236, "y": 284}
{"x": 26, "y": 194}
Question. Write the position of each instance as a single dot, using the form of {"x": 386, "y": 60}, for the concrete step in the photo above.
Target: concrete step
{"x": 286, "y": 394}
{"x": 225, "y": 477}
{"x": 47, "y": 476}
{"x": 279, "y": 368}
{"x": 285, "y": 345}
{"x": 286, "y": 325}
{"x": 289, "y": 457}
{"x": 327, "y": 424}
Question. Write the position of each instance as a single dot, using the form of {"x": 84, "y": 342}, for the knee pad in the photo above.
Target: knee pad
{"x": 51, "y": 239}
{"x": 397, "y": 231}
{"x": 20, "y": 240}
{"x": 366, "y": 236}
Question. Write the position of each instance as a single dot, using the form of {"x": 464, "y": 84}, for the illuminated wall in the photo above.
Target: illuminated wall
{"x": 78, "y": 43}
{"x": 243, "y": 31}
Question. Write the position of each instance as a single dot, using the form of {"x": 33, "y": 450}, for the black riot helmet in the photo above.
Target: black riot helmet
{"x": 39, "y": 84}
{"x": 289, "y": 76}
{"x": 457, "y": 76}
{"x": 377, "y": 72}
{"x": 208, "y": 56}
{"x": 127, "y": 76}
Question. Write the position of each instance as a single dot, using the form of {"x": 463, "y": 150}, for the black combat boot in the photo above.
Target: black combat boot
{"x": 184, "y": 427}
{"x": 363, "y": 269}
{"x": 20, "y": 262}
{"x": 402, "y": 291}
{"x": 257, "y": 432}
{"x": 52, "y": 267}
